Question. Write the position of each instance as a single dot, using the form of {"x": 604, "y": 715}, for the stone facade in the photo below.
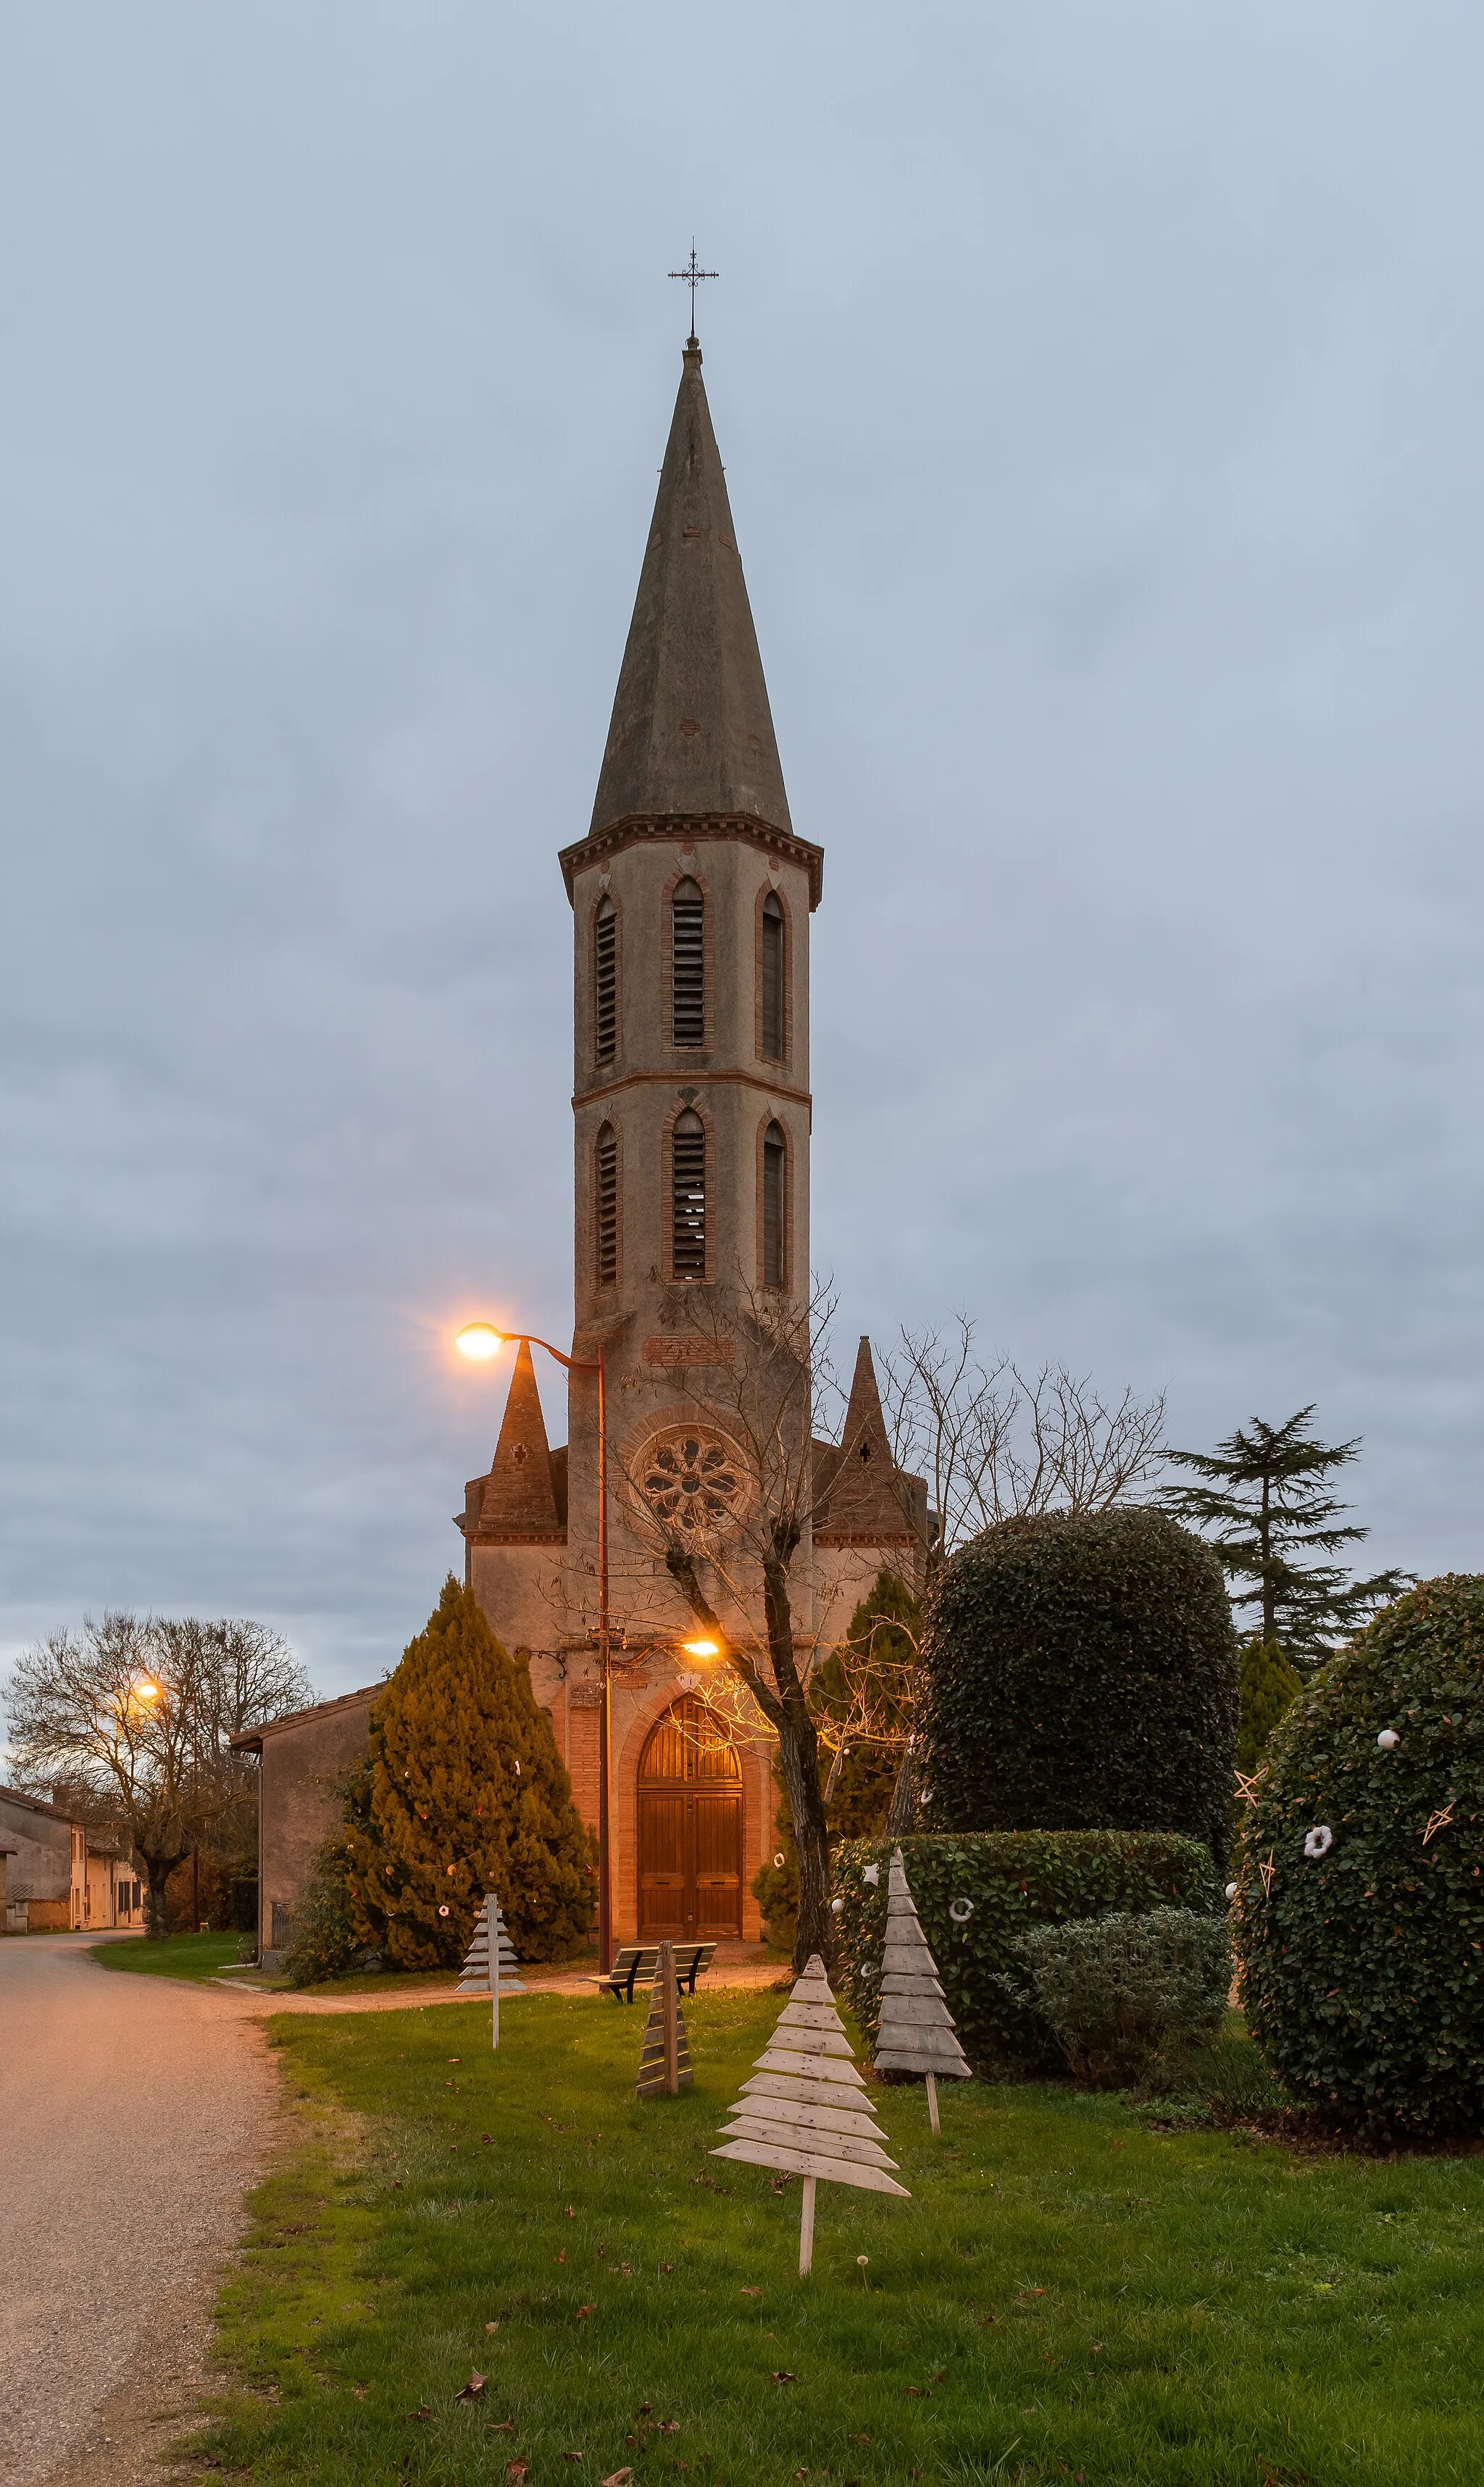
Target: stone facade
{"x": 56, "y": 1875}
{"x": 691, "y": 897}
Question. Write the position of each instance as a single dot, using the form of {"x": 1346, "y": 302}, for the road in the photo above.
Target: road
{"x": 134, "y": 2112}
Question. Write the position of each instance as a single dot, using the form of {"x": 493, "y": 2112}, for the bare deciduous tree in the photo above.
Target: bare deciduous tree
{"x": 136, "y": 1713}
{"x": 995, "y": 1443}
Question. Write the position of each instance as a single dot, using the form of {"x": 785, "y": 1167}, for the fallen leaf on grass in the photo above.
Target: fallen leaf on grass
{"x": 360, "y": 2390}
{"x": 583, "y": 2311}
{"x": 861, "y": 2439}
{"x": 561, "y": 2257}
{"x": 487, "y": 2137}
{"x": 456, "y": 2059}
{"x": 516, "y": 2471}
{"x": 572, "y": 2456}
{"x": 667, "y": 2266}
{"x": 753, "y": 2292}
{"x": 502, "y": 2427}
{"x": 474, "y": 2387}
{"x": 617, "y": 2479}
{"x": 423, "y": 2410}
{"x": 493, "y": 2327}
{"x": 781, "y": 2375}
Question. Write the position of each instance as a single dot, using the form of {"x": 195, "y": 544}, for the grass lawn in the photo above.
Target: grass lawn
{"x": 178, "y": 1956}
{"x": 1069, "y": 2294}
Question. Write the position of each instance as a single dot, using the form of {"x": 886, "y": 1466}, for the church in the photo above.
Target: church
{"x": 691, "y": 894}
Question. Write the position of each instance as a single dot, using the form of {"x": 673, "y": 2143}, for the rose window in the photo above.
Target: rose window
{"x": 692, "y": 1482}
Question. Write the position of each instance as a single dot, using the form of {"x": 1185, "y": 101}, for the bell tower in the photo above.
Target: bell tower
{"x": 691, "y": 897}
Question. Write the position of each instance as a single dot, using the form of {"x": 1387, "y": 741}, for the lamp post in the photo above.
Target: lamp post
{"x": 479, "y": 1341}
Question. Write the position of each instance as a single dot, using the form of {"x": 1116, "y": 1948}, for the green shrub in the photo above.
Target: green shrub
{"x": 325, "y": 1944}
{"x": 1363, "y": 1965}
{"x": 1081, "y": 1674}
{"x": 463, "y": 1792}
{"x": 1012, "y": 1880}
{"x": 1113, "y": 1990}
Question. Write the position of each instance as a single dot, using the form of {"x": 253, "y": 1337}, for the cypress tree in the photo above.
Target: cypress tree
{"x": 1266, "y": 1685}
{"x": 463, "y": 1792}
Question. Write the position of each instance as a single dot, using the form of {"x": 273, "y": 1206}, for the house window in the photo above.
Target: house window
{"x": 772, "y": 977}
{"x": 687, "y": 965}
{"x": 775, "y": 1180}
{"x": 605, "y": 981}
{"x": 608, "y": 1206}
{"x": 687, "y": 1197}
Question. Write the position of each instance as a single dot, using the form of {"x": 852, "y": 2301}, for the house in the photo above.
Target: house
{"x": 56, "y": 1875}
{"x": 302, "y": 1762}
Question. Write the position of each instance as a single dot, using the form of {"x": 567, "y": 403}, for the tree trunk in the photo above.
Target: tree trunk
{"x": 157, "y": 1915}
{"x": 900, "y": 1817}
{"x": 798, "y": 1762}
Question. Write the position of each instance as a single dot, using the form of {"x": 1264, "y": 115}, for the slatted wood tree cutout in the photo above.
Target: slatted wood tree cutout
{"x": 915, "y": 2032}
{"x": 489, "y": 1965}
{"x": 664, "y": 2058}
{"x": 804, "y": 2111}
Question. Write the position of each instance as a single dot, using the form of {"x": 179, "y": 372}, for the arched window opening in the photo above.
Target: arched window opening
{"x": 605, "y": 981}
{"x": 774, "y": 1182}
{"x": 608, "y": 1206}
{"x": 687, "y": 964}
{"x": 687, "y": 1197}
{"x": 691, "y": 1741}
{"x": 772, "y": 977}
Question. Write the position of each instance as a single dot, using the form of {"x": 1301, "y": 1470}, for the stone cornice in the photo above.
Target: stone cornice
{"x": 687, "y": 830}
{"x": 701, "y": 1079}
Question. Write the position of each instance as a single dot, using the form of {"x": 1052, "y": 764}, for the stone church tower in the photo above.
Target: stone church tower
{"x": 692, "y": 895}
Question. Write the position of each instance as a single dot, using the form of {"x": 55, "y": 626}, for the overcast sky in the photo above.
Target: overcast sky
{"x": 1100, "y": 392}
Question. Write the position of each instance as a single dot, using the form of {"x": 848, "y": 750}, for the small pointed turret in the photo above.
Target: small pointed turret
{"x": 864, "y": 1502}
{"x": 691, "y": 729}
{"x": 519, "y": 1498}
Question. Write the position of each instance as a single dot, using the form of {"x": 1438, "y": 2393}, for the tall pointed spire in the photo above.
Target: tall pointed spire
{"x": 520, "y": 1497}
{"x": 691, "y": 729}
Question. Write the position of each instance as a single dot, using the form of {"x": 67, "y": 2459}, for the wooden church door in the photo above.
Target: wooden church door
{"x": 690, "y": 1828}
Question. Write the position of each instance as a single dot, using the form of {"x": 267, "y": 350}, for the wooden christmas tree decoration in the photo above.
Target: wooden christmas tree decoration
{"x": 490, "y": 1966}
{"x": 915, "y": 2032}
{"x": 804, "y": 2109}
{"x": 664, "y": 2058}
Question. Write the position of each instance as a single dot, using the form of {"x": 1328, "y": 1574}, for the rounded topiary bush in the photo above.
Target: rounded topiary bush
{"x": 1360, "y": 1900}
{"x": 1081, "y": 1674}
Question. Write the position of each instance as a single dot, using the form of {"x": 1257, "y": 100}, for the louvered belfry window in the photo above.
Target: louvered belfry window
{"x": 605, "y": 981}
{"x": 608, "y": 1206}
{"x": 775, "y": 1180}
{"x": 687, "y": 965}
{"x": 772, "y": 977}
{"x": 687, "y": 1233}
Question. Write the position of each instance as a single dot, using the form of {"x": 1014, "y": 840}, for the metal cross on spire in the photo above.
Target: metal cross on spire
{"x": 692, "y": 276}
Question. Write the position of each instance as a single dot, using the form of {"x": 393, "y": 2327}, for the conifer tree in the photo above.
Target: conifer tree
{"x": 1266, "y": 1685}
{"x": 1264, "y": 1503}
{"x": 463, "y": 1792}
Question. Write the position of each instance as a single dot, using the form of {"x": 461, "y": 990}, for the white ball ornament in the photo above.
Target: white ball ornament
{"x": 835, "y": 1908}
{"x": 1389, "y": 1740}
{"x": 1320, "y": 1840}
{"x": 1231, "y": 1891}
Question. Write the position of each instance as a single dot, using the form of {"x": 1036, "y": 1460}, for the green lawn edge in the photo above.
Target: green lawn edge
{"x": 1069, "y": 2293}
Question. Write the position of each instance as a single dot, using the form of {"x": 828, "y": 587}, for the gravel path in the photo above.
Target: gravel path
{"x": 134, "y": 2112}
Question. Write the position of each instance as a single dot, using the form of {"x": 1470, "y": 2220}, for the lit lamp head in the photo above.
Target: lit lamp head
{"x": 145, "y": 1690}
{"x": 479, "y": 1342}
{"x": 701, "y": 1648}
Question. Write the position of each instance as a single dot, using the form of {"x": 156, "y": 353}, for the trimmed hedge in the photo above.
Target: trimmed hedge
{"x": 1364, "y": 1965}
{"x": 1082, "y": 1674}
{"x": 1115, "y": 1990}
{"x": 1013, "y": 1881}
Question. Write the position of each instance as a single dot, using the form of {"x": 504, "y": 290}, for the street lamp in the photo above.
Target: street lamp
{"x": 479, "y": 1341}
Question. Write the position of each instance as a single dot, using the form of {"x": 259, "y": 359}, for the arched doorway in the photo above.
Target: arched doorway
{"x": 690, "y": 1828}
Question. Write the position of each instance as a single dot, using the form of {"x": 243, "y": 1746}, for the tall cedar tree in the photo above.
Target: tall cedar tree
{"x": 865, "y": 1680}
{"x": 463, "y": 1792}
{"x": 1265, "y": 1505}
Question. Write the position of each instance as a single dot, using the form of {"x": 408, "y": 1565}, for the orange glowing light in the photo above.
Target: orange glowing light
{"x": 479, "y": 1342}
{"x": 702, "y": 1648}
{"x": 145, "y": 1690}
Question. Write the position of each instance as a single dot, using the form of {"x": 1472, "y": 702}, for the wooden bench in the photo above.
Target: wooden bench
{"x": 636, "y": 1963}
